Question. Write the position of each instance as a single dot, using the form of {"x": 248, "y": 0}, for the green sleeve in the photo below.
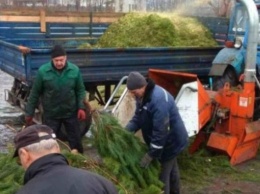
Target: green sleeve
{"x": 80, "y": 91}
{"x": 34, "y": 95}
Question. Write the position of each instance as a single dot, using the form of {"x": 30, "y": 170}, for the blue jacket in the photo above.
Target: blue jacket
{"x": 161, "y": 124}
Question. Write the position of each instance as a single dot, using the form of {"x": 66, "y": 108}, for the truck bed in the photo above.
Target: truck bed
{"x": 104, "y": 66}
{"x": 108, "y": 65}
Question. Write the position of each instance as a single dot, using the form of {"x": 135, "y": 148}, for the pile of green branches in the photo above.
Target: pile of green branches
{"x": 190, "y": 32}
{"x": 121, "y": 153}
{"x": 155, "y": 30}
{"x": 138, "y": 30}
{"x": 11, "y": 174}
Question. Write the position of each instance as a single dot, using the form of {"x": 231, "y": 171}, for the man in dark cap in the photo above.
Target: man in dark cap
{"x": 162, "y": 128}
{"x": 47, "y": 171}
{"x": 60, "y": 86}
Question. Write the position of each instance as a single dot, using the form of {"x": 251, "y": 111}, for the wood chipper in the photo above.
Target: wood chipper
{"x": 224, "y": 118}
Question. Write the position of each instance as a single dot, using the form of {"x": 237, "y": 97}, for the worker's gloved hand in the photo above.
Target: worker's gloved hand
{"x": 146, "y": 160}
{"x": 81, "y": 115}
{"x": 28, "y": 120}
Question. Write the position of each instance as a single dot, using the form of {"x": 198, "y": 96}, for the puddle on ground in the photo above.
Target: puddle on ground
{"x": 6, "y": 138}
{"x": 11, "y": 118}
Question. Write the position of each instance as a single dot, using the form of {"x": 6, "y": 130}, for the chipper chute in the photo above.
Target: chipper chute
{"x": 222, "y": 119}
{"x": 191, "y": 99}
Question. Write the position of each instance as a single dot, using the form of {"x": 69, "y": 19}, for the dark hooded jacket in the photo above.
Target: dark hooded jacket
{"x": 51, "y": 174}
{"x": 161, "y": 124}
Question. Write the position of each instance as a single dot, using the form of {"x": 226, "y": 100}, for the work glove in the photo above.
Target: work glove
{"x": 81, "y": 115}
{"x": 28, "y": 120}
{"x": 146, "y": 160}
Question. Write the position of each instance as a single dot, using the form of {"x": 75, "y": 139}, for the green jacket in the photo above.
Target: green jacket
{"x": 61, "y": 93}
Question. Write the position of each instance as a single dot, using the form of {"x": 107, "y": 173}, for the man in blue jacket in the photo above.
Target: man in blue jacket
{"x": 162, "y": 128}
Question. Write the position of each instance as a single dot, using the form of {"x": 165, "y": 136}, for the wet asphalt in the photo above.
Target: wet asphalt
{"x": 10, "y": 116}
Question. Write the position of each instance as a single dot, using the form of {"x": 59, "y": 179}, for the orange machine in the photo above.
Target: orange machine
{"x": 224, "y": 118}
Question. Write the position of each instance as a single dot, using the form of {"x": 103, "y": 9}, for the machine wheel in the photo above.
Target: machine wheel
{"x": 256, "y": 115}
{"x": 83, "y": 125}
{"x": 228, "y": 76}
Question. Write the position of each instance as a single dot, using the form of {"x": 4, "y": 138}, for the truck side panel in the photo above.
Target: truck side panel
{"x": 12, "y": 61}
{"x": 97, "y": 65}
{"x": 22, "y": 32}
{"x": 106, "y": 65}
{"x": 109, "y": 65}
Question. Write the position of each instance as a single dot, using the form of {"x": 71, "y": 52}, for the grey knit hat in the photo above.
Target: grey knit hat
{"x": 135, "y": 81}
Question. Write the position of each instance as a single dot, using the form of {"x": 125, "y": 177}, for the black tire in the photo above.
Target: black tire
{"x": 256, "y": 115}
{"x": 84, "y": 128}
{"x": 83, "y": 125}
{"x": 229, "y": 76}
{"x": 62, "y": 135}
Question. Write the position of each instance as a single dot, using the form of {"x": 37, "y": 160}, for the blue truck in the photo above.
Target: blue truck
{"x": 229, "y": 63}
{"x": 24, "y": 47}
{"x": 105, "y": 67}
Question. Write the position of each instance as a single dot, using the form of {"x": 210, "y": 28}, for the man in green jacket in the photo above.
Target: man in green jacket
{"x": 60, "y": 87}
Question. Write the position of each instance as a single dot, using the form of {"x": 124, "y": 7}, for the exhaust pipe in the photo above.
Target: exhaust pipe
{"x": 252, "y": 40}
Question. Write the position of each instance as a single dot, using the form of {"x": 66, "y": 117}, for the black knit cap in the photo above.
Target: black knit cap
{"x": 58, "y": 51}
{"x": 135, "y": 81}
{"x": 30, "y": 135}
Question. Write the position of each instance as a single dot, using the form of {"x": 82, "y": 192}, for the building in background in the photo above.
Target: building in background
{"x": 195, "y": 7}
